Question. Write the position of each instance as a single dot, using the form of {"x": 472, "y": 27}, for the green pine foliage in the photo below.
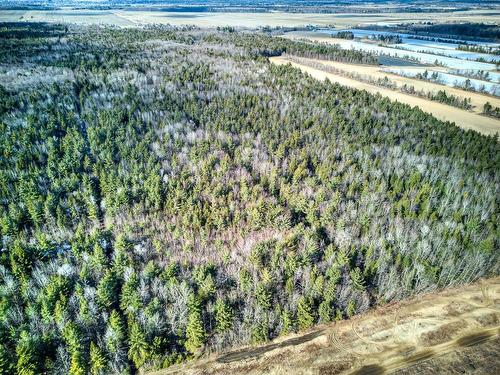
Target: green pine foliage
{"x": 325, "y": 311}
{"x": 260, "y": 331}
{"x": 351, "y": 308}
{"x": 287, "y": 322}
{"x": 98, "y": 361}
{"x": 224, "y": 315}
{"x": 28, "y": 361}
{"x": 357, "y": 279}
{"x": 6, "y": 366}
{"x": 305, "y": 313}
{"x": 195, "y": 330}
{"x": 139, "y": 349}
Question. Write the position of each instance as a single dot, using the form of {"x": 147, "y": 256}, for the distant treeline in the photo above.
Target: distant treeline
{"x": 389, "y": 39}
{"x": 491, "y": 111}
{"x": 466, "y": 31}
{"x": 18, "y": 30}
{"x": 344, "y": 35}
{"x": 481, "y": 30}
{"x": 479, "y": 49}
{"x": 267, "y": 46}
{"x": 440, "y": 96}
{"x": 213, "y": 6}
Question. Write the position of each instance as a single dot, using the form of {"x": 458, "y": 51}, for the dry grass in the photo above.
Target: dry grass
{"x": 441, "y": 334}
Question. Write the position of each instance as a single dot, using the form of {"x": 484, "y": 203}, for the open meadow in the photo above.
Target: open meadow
{"x": 131, "y": 17}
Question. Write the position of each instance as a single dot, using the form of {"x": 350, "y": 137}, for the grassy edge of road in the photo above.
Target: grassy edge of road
{"x": 434, "y": 329}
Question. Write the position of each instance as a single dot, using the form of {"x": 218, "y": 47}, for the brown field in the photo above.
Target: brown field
{"x": 205, "y": 19}
{"x": 374, "y": 72}
{"x": 455, "y": 331}
{"x": 465, "y": 119}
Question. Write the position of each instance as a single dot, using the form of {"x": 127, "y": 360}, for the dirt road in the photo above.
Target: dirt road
{"x": 464, "y": 119}
{"x": 452, "y": 331}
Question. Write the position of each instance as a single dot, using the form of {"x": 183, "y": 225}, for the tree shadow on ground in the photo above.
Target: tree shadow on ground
{"x": 257, "y": 352}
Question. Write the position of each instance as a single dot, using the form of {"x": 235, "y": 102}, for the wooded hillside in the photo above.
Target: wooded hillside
{"x": 165, "y": 192}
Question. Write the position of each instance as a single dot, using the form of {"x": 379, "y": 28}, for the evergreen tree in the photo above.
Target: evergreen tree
{"x": 351, "y": 308}
{"x": 263, "y": 296}
{"x": 325, "y": 311}
{"x": 108, "y": 290}
{"x": 195, "y": 331}
{"x": 130, "y": 299}
{"x": 330, "y": 290}
{"x": 207, "y": 287}
{"x": 338, "y": 315}
{"x": 97, "y": 360}
{"x": 27, "y": 355}
{"x": 121, "y": 256}
{"x": 153, "y": 188}
{"x": 223, "y": 315}
{"x": 138, "y": 350}
{"x": 260, "y": 331}
{"x": 287, "y": 322}
{"x": 117, "y": 330}
{"x": 305, "y": 313}
{"x": 72, "y": 337}
{"x": 357, "y": 279}
{"x": 21, "y": 260}
{"x": 6, "y": 366}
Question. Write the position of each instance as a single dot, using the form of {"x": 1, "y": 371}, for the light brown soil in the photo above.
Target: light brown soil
{"x": 452, "y": 331}
{"x": 464, "y": 119}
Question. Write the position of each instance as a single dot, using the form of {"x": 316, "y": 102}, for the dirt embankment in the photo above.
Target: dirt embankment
{"x": 463, "y": 118}
{"x": 452, "y": 331}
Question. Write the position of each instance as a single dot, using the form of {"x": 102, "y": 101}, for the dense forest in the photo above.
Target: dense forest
{"x": 166, "y": 193}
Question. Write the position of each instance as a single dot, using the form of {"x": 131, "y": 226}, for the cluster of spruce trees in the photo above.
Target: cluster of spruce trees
{"x": 170, "y": 192}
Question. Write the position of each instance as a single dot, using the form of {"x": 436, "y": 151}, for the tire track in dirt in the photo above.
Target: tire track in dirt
{"x": 471, "y": 339}
{"x": 252, "y": 353}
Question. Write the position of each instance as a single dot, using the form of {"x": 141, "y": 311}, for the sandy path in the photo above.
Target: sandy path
{"x": 452, "y": 328}
{"x": 462, "y": 118}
